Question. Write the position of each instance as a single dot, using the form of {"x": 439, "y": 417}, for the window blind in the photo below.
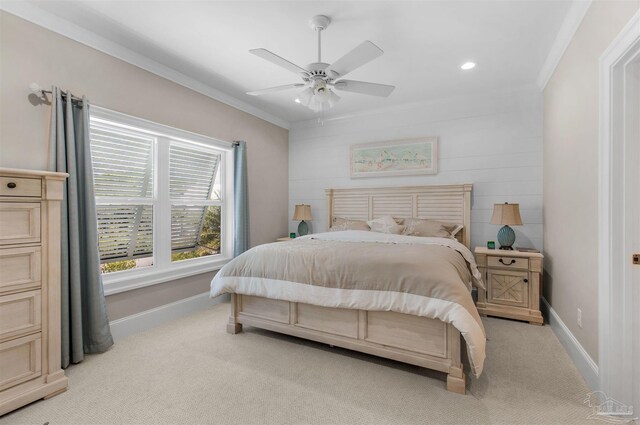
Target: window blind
{"x": 122, "y": 162}
{"x": 125, "y": 231}
{"x": 122, "y": 168}
{"x": 192, "y": 172}
{"x": 192, "y": 179}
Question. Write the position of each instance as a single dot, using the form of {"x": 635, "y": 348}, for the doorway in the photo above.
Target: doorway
{"x": 619, "y": 229}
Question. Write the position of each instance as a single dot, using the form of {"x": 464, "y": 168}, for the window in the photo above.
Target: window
{"x": 163, "y": 201}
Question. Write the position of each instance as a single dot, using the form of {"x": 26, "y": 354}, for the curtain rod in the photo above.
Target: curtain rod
{"x": 35, "y": 88}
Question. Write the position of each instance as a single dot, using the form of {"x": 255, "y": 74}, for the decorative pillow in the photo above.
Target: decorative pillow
{"x": 430, "y": 228}
{"x": 385, "y": 224}
{"x": 340, "y": 223}
{"x": 396, "y": 229}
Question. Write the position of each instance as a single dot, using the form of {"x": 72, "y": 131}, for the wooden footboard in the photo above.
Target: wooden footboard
{"x": 416, "y": 340}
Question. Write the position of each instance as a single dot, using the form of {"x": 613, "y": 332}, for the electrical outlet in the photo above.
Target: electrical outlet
{"x": 580, "y": 318}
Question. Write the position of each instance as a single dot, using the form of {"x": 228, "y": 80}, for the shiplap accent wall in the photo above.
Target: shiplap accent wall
{"x": 493, "y": 141}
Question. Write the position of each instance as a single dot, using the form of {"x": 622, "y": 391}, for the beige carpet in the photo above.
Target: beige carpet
{"x": 191, "y": 371}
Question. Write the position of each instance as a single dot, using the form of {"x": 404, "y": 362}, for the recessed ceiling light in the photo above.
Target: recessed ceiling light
{"x": 468, "y": 65}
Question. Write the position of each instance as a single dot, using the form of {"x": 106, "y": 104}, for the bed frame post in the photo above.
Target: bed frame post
{"x": 233, "y": 327}
{"x": 329, "y": 193}
{"x": 456, "y": 380}
{"x": 467, "y": 215}
{"x": 456, "y": 384}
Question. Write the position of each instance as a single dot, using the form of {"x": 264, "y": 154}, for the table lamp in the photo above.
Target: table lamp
{"x": 302, "y": 212}
{"x": 506, "y": 214}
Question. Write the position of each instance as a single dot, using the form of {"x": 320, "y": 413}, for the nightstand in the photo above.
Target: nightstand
{"x": 284, "y": 239}
{"x": 513, "y": 281}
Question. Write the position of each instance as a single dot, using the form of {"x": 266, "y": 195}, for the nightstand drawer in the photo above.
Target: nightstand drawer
{"x": 510, "y": 262}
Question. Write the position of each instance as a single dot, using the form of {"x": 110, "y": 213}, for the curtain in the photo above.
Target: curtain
{"x": 241, "y": 203}
{"x": 85, "y": 325}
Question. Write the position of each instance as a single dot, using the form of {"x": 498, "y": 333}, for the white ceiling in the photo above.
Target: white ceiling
{"x": 425, "y": 42}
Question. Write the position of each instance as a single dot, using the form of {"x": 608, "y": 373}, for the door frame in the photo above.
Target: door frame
{"x": 614, "y": 285}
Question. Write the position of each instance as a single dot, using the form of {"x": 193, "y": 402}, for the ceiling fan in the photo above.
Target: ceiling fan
{"x": 320, "y": 78}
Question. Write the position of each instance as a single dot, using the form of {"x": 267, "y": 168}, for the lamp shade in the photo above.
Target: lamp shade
{"x": 507, "y": 214}
{"x": 302, "y": 212}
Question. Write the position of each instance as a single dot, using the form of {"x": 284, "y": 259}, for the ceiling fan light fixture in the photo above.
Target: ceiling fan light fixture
{"x": 333, "y": 98}
{"x": 316, "y": 105}
{"x": 304, "y": 97}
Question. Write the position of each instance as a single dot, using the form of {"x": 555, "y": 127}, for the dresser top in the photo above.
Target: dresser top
{"x": 16, "y": 172}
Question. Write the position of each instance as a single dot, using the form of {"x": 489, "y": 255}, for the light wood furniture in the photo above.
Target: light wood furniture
{"x": 421, "y": 341}
{"x": 513, "y": 281}
{"x": 29, "y": 287}
{"x": 284, "y": 239}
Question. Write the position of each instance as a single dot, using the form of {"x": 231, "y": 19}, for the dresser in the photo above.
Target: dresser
{"x": 29, "y": 287}
{"x": 513, "y": 281}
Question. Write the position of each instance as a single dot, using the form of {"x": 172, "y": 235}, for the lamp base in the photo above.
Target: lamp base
{"x": 506, "y": 237}
{"x": 303, "y": 228}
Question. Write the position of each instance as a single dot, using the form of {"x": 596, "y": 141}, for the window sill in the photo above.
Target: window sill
{"x": 129, "y": 280}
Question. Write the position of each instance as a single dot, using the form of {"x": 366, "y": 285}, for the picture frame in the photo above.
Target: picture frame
{"x": 394, "y": 158}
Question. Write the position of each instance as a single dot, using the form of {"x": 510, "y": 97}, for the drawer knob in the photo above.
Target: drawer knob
{"x": 526, "y": 280}
{"x": 12, "y": 185}
{"x": 510, "y": 263}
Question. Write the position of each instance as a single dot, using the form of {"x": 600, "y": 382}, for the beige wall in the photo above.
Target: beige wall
{"x": 570, "y": 171}
{"x": 32, "y": 54}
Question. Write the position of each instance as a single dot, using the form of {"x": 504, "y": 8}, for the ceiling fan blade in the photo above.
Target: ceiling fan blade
{"x": 364, "y": 53}
{"x": 362, "y": 87}
{"x": 274, "y": 89}
{"x": 277, "y": 60}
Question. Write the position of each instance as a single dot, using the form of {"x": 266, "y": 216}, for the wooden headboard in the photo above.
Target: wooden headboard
{"x": 448, "y": 203}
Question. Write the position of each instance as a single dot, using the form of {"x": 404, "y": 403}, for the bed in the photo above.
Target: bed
{"x": 322, "y": 287}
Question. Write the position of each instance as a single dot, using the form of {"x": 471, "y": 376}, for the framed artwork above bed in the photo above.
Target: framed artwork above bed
{"x": 395, "y": 158}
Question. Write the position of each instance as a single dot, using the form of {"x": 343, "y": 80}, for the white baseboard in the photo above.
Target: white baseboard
{"x": 122, "y": 328}
{"x": 583, "y": 361}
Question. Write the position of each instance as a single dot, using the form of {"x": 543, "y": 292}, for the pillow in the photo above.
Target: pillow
{"x": 396, "y": 229}
{"x": 386, "y": 224}
{"x": 340, "y": 223}
{"x": 430, "y": 228}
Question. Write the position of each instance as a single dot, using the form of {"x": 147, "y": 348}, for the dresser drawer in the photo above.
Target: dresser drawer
{"x": 19, "y": 268}
{"x": 20, "y": 187}
{"x": 19, "y": 222}
{"x": 510, "y": 262}
{"x": 20, "y": 314}
{"x": 20, "y": 360}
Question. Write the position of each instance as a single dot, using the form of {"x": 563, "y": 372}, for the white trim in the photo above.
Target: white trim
{"x": 572, "y": 21}
{"x": 614, "y": 288}
{"x": 122, "y": 328}
{"x": 583, "y": 361}
{"x": 40, "y": 17}
{"x": 128, "y": 280}
{"x": 141, "y": 125}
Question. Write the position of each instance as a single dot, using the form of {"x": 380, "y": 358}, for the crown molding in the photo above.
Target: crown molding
{"x": 42, "y": 18}
{"x": 572, "y": 21}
